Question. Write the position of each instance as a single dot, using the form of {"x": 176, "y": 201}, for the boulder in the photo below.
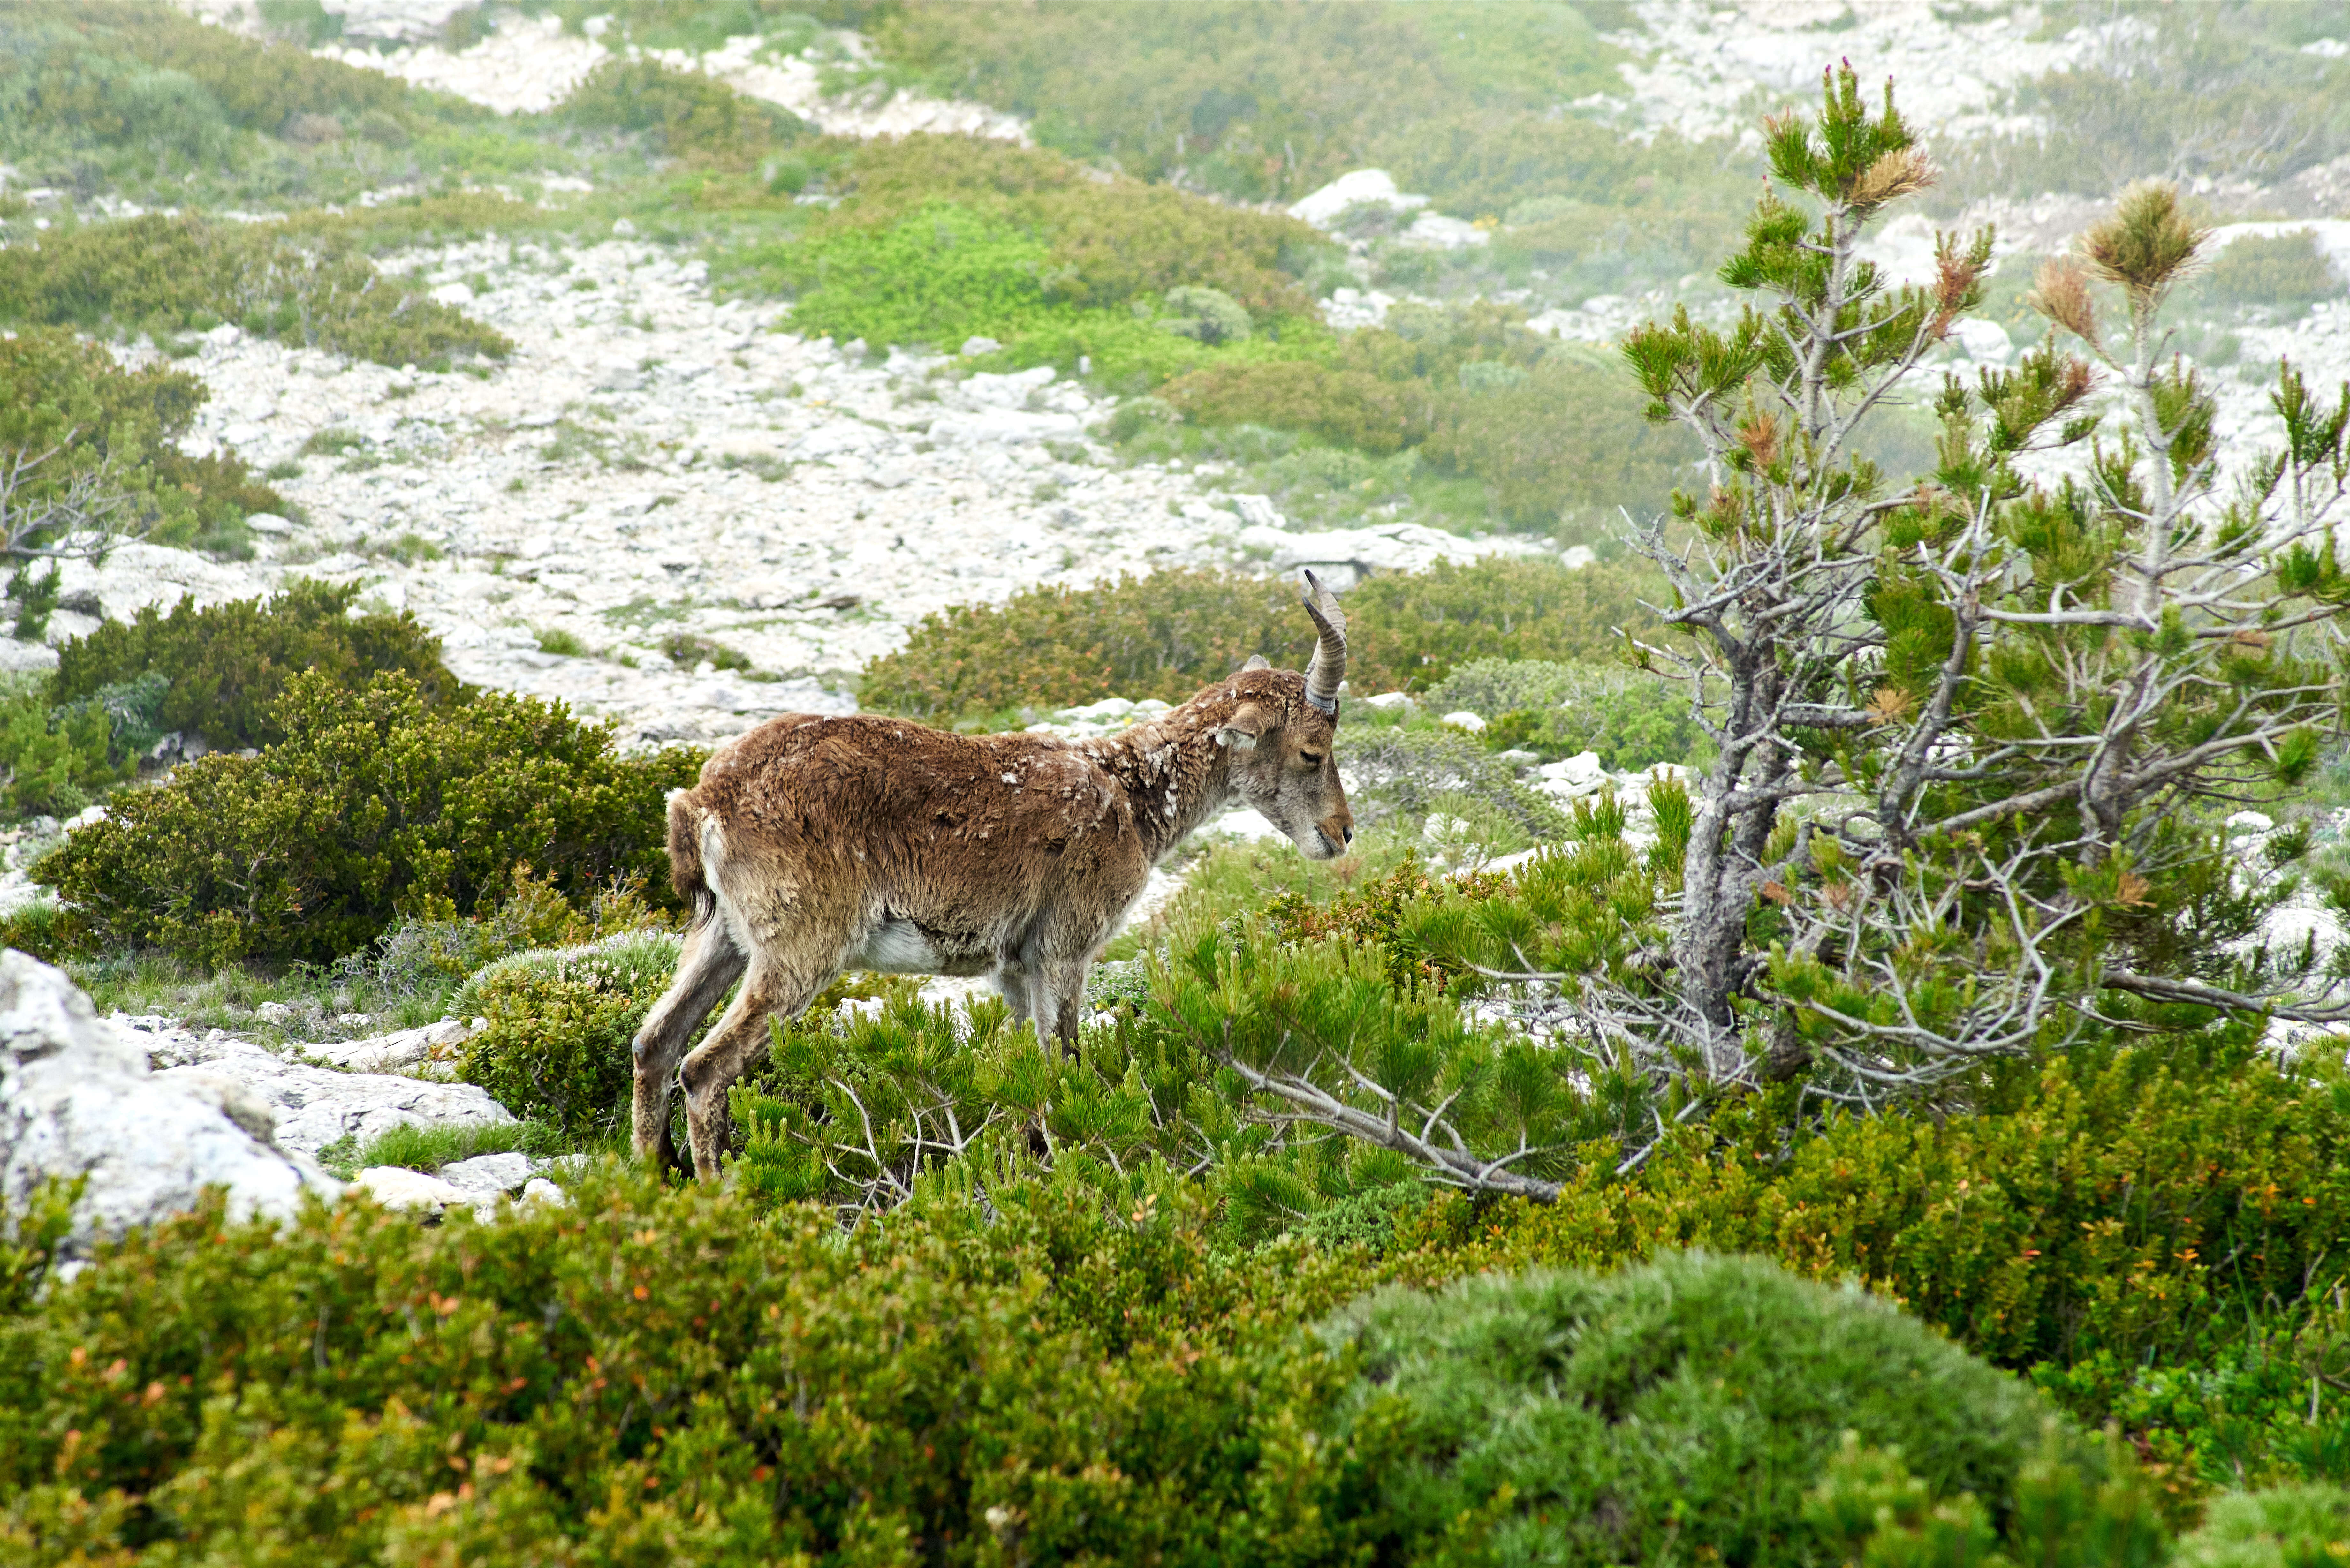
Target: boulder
{"x": 486, "y": 1178}
{"x": 78, "y": 1099}
{"x": 396, "y": 1187}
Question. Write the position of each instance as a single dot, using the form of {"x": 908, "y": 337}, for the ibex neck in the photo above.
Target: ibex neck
{"x": 1174, "y": 772}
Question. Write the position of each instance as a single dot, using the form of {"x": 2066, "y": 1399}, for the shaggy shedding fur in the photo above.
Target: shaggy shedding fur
{"x": 816, "y": 844}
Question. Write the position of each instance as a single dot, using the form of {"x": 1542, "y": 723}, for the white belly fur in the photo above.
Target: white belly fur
{"x": 898, "y": 947}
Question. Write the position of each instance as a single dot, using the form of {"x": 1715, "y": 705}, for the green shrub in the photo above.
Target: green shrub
{"x": 228, "y": 663}
{"x": 165, "y": 273}
{"x": 1163, "y": 636}
{"x": 2287, "y": 272}
{"x": 376, "y": 805}
{"x": 1350, "y": 408}
{"x": 68, "y": 412}
{"x": 939, "y": 275}
{"x": 556, "y": 1049}
{"x": 1112, "y": 241}
{"x": 1403, "y": 774}
{"x": 1209, "y": 315}
{"x": 1685, "y": 1405}
{"x": 1565, "y": 445}
{"x": 54, "y": 764}
{"x": 2290, "y": 1527}
{"x": 1417, "y": 626}
{"x": 658, "y": 1375}
{"x": 682, "y": 114}
{"x": 2145, "y": 1233}
{"x": 255, "y": 85}
{"x": 941, "y": 238}
{"x": 1372, "y": 914}
{"x": 1168, "y": 634}
{"x": 1869, "y": 1509}
{"x": 1631, "y": 718}
{"x": 1245, "y": 98}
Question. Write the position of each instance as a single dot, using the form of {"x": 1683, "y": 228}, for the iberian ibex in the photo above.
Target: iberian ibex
{"x": 813, "y": 846}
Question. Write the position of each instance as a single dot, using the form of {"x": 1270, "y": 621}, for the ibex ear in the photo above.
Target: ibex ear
{"x": 1256, "y": 662}
{"x": 1241, "y": 730}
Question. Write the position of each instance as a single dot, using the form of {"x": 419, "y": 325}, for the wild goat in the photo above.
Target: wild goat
{"x": 813, "y": 845}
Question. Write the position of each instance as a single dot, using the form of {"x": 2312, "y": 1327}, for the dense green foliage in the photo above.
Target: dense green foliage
{"x": 2148, "y": 1236}
{"x": 556, "y": 1048}
{"x": 1579, "y": 1419}
{"x": 2287, "y": 272}
{"x": 376, "y": 804}
{"x": 2206, "y": 91}
{"x": 1163, "y": 636}
{"x": 667, "y": 1372}
{"x": 682, "y": 114}
{"x": 1631, "y": 719}
{"x": 55, "y": 761}
{"x": 687, "y": 1372}
{"x": 941, "y": 238}
{"x": 1325, "y": 87}
{"x": 157, "y": 274}
{"x": 70, "y": 415}
{"x": 1168, "y": 634}
{"x": 1499, "y": 607}
{"x": 227, "y": 664}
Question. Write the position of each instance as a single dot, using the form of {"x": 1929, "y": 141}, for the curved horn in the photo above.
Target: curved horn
{"x": 1329, "y": 666}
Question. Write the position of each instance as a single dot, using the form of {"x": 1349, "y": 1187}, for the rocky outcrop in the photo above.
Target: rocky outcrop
{"x": 313, "y": 1107}
{"x": 79, "y": 1100}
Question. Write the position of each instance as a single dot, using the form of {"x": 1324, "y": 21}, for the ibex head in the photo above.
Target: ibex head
{"x": 1281, "y": 733}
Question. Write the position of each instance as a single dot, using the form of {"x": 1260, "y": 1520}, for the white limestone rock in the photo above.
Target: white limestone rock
{"x": 396, "y": 1187}
{"x": 403, "y": 1051}
{"x": 318, "y": 1106}
{"x": 487, "y": 1177}
{"x": 1356, "y": 188}
{"x": 394, "y": 21}
{"x": 78, "y": 1099}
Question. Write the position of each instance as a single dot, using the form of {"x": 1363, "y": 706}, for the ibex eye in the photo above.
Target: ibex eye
{"x": 1311, "y": 759}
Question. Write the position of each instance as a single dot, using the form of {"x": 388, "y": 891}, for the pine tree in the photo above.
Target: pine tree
{"x": 1973, "y": 729}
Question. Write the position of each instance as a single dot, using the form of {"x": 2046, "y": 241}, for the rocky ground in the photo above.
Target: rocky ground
{"x": 653, "y": 461}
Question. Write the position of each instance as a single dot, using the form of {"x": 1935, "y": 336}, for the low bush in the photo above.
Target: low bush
{"x": 1345, "y": 407}
{"x": 2286, "y": 273}
{"x": 1869, "y": 1509}
{"x": 58, "y": 757}
{"x": 252, "y": 84}
{"x": 376, "y": 805}
{"x": 1419, "y": 624}
{"x": 1684, "y": 1405}
{"x": 162, "y": 274}
{"x": 70, "y": 416}
{"x": 1372, "y": 914}
{"x": 676, "y": 1373}
{"x": 1400, "y": 776}
{"x": 1111, "y": 241}
{"x": 1164, "y": 636}
{"x": 2147, "y": 1234}
{"x": 1631, "y": 719}
{"x": 1563, "y": 447}
{"x": 560, "y": 1020}
{"x": 1325, "y": 88}
{"x": 682, "y": 114}
{"x": 2277, "y": 1529}
{"x": 1168, "y": 634}
{"x": 227, "y": 664}
{"x": 53, "y": 765}
{"x": 939, "y": 275}
{"x": 938, "y": 239}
